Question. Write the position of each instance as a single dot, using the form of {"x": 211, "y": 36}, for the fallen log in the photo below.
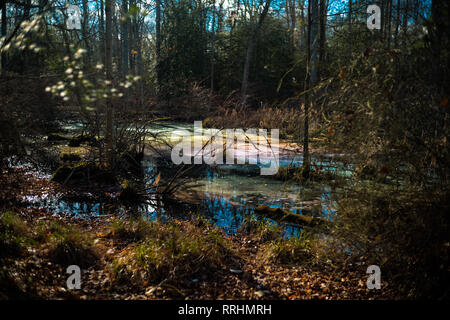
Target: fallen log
{"x": 281, "y": 215}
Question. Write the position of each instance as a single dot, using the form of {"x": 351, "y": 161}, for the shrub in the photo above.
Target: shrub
{"x": 68, "y": 245}
{"x": 172, "y": 250}
{"x": 130, "y": 194}
{"x": 262, "y": 230}
{"x": 89, "y": 172}
{"x": 13, "y": 234}
{"x": 129, "y": 230}
{"x": 405, "y": 232}
{"x": 70, "y": 157}
{"x": 56, "y": 137}
{"x": 78, "y": 140}
{"x": 295, "y": 250}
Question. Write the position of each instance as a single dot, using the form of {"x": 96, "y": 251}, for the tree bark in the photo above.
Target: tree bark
{"x": 315, "y": 42}
{"x": 84, "y": 32}
{"x": 436, "y": 40}
{"x": 4, "y": 32}
{"x": 389, "y": 24}
{"x": 158, "y": 46}
{"x": 132, "y": 40}
{"x": 124, "y": 35}
{"x": 306, "y": 156}
{"x": 250, "y": 48}
{"x": 138, "y": 56}
{"x": 350, "y": 9}
{"x": 102, "y": 32}
{"x": 108, "y": 67}
{"x": 405, "y": 17}
{"x": 397, "y": 24}
{"x": 213, "y": 45}
{"x": 322, "y": 35}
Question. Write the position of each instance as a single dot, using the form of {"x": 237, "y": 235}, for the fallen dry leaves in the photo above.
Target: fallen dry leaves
{"x": 244, "y": 278}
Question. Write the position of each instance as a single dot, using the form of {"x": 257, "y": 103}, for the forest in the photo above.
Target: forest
{"x": 224, "y": 149}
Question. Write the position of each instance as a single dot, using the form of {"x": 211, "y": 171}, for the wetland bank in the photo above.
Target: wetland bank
{"x": 357, "y": 121}
{"x": 223, "y": 231}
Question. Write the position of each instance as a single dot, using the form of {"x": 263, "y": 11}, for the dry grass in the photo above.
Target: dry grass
{"x": 14, "y": 235}
{"x": 67, "y": 245}
{"x": 171, "y": 251}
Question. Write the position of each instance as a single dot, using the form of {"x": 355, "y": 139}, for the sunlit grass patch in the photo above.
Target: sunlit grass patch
{"x": 261, "y": 230}
{"x": 291, "y": 251}
{"x": 172, "y": 251}
{"x": 131, "y": 230}
{"x": 67, "y": 245}
{"x": 14, "y": 234}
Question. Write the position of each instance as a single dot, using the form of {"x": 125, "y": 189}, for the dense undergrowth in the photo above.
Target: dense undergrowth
{"x": 170, "y": 251}
{"x": 161, "y": 259}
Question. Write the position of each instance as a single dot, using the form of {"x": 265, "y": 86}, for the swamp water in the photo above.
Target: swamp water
{"x": 224, "y": 194}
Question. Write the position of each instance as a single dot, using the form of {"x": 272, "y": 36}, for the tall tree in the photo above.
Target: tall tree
{"x": 213, "y": 34}
{"x": 84, "y": 32}
{"x": 234, "y": 15}
{"x": 306, "y": 104}
{"x": 131, "y": 36}
{"x": 158, "y": 45}
{"x": 304, "y": 25}
{"x": 102, "y": 31}
{"x": 405, "y": 16}
{"x": 397, "y": 23}
{"x": 138, "y": 54}
{"x": 389, "y": 23}
{"x": 250, "y": 48}
{"x": 314, "y": 41}
{"x": 292, "y": 21}
{"x": 349, "y": 16}
{"x": 108, "y": 69}
{"x": 4, "y": 32}
{"x": 436, "y": 35}
{"x": 322, "y": 36}
{"x": 124, "y": 36}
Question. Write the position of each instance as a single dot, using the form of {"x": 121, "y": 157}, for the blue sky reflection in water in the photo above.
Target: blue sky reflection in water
{"x": 228, "y": 193}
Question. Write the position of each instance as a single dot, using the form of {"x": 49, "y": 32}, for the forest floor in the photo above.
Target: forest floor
{"x": 233, "y": 268}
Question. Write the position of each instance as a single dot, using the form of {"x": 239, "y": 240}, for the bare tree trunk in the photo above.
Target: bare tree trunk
{"x": 158, "y": 46}
{"x": 436, "y": 40}
{"x": 108, "y": 67}
{"x": 116, "y": 51}
{"x": 288, "y": 16}
{"x": 230, "y": 48}
{"x": 322, "y": 35}
{"x": 213, "y": 45}
{"x": 4, "y": 32}
{"x": 124, "y": 35}
{"x": 138, "y": 55}
{"x": 251, "y": 45}
{"x": 315, "y": 42}
{"x": 350, "y": 9}
{"x": 292, "y": 23}
{"x": 383, "y": 18}
{"x": 132, "y": 40}
{"x": 84, "y": 32}
{"x": 306, "y": 156}
{"x": 389, "y": 24}
{"x": 405, "y": 17}
{"x": 304, "y": 37}
{"x": 102, "y": 32}
{"x": 397, "y": 24}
